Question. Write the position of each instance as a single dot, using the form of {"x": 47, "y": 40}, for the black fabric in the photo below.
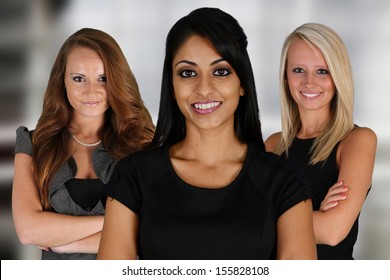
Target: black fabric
{"x": 85, "y": 192}
{"x": 181, "y": 221}
{"x": 321, "y": 178}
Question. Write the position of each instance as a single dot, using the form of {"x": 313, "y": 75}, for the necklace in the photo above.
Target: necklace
{"x": 85, "y": 144}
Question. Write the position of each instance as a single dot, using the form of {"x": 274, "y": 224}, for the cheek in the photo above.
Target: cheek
{"x": 330, "y": 84}
{"x": 292, "y": 84}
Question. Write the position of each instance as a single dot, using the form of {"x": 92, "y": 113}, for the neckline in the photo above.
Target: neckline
{"x": 191, "y": 187}
{"x": 304, "y": 139}
{"x": 85, "y": 179}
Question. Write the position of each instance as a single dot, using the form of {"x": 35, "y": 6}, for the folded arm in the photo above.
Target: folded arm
{"x": 33, "y": 225}
{"x": 356, "y": 156}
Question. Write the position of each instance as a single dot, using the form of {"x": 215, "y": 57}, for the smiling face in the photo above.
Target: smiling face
{"x": 206, "y": 87}
{"x": 85, "y": 82}
{"x": 308, "y": 76}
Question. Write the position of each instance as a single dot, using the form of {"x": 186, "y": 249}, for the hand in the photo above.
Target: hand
{"x": 44, "y": 248}
{"x": 336, "y": 193}
{"x": 58, "y": 249}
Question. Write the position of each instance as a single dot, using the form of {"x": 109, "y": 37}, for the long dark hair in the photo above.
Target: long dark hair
{"x": 230, "y": 41}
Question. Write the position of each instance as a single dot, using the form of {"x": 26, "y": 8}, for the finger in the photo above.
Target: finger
{"x": 328, "y": 206}
{"x": 332, "y": 201}
{"x": 336, "y": 191}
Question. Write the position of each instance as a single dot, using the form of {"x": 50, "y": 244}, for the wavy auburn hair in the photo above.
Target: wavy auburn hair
{"x": 128, "y": 126}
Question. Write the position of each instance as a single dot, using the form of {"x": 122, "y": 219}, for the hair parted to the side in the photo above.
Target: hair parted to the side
{"x": 337, "y": 59}
{"x": 128, "y": 125}
{"x": 230, "y": 41}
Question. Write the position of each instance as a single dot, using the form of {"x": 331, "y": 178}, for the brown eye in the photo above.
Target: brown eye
{"x": 221, "y": 72}
{"x": 78, "y": 79}
{"x": 187, "y": 73}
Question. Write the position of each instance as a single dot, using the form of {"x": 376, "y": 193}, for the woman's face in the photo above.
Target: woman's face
{"x": 308, "y": 76}
{"x": 206, "y": 87}
{"x": 85, "y": 83}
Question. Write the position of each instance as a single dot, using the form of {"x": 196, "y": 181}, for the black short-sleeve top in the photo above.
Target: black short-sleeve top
{"x": 182, "y": 221}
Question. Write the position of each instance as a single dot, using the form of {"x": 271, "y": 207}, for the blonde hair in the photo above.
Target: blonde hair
{"x": 337, "y": 59}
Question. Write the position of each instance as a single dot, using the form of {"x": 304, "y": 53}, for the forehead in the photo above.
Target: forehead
{"x": 196, "y": 47}
{"x": 83, "y": 53}
{"x": 82, "y": 59}
{"x": 301, "y": 50}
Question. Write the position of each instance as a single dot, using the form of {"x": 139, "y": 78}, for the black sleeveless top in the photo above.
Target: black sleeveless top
{"x": 321, "y": 178}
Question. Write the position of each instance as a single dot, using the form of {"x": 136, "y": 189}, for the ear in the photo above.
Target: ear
{"x": 242, "y": 92}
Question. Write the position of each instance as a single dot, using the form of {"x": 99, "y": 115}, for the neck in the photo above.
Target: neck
{"x": 210, "y": 147}
{"x": 312, "y": 124}
{"x": 85, "y": 134}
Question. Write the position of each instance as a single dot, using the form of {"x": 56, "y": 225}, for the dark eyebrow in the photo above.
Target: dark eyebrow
{"x": 217, "y": 61}
{"x": 77, "y": 74}
{"x": 187, "y": 62}
{"x": 194, "y": 64}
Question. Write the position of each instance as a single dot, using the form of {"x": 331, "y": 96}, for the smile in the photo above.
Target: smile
{"x": 206, "y": 106}
{"x": 311, "y": 95}
{"x": 91, "y": 103}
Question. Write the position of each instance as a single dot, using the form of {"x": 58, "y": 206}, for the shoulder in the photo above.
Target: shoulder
{"x": 360, "y": 136}
{"x": 364, "y": 133}
{"x": 23, "y": 131}
{"x": 141, "y": 169}
{"x": 359, "y": 140}
{"x": 277, "y": 177}
{"x": 272, "y": 141}
{"x": 144, "y": 161}
{"x": 23, "y": 143}
{"x": 273, "y": 163}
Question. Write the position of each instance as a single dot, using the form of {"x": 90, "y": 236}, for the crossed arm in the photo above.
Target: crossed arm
{"x": 34, "y": 226}
{"x": 356, "y": 156}
{"x": 344, "y": 200}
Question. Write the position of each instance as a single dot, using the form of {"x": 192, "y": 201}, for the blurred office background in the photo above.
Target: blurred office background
{"x": 31, "y": 33}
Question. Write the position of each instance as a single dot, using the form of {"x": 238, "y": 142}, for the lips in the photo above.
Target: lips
{"x": 310, "y": 94}
{"x": 91, "y": 103}
{"x": 206, "y": 107}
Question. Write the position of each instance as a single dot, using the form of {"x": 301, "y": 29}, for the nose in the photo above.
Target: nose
{"x": 309, "y": 79}
{"x": 93, "y": 88}
{"x": 204, "y": 85}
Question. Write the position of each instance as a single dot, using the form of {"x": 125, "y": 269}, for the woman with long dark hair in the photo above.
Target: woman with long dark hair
{"x": 206, "y": 188}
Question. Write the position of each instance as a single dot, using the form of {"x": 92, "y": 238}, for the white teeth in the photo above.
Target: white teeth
{"x": 205, "y": 106}
{"x": 311, "y": 94}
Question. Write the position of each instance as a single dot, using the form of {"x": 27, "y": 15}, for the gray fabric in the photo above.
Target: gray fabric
{"x": 59, "y": 198}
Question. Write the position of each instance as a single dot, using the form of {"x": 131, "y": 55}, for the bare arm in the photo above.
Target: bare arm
{"x": 272, "y": 141}
{"x": 89, "y": 245}
{"x": 44, "y": 228}
{"x": 120, "y": 231}
{"x": 295, "y": 233}
{"x": 356, "y": 158}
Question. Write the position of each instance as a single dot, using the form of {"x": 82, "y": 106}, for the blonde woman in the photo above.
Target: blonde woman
{"x": 92, "y": 116}
{"x": 319, "y": 134}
